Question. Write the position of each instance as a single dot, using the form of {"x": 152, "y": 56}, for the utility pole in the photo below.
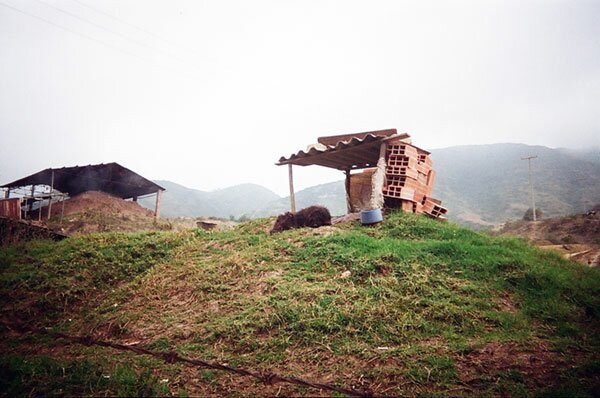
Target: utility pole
{"x": 528, "y": 158}
{"x": 580, "y": 179}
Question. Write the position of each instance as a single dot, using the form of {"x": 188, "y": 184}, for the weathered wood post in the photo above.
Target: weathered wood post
{"x": 51, "y": 192}
{"x": 292, "y": 195}
{"x": 157, "y": 205}
{"x": 62, "y": 210}
{"x": 347, "y": 185}
{"x": 32, "y": 197}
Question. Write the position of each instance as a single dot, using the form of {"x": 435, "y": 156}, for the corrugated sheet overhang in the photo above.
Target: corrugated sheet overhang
{"x": 111, "y": 178}
{"x": 356, "y": 153}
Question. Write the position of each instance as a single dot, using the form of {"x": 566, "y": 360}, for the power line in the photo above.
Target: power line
{"x": 99, "y": 11}
{"x": 138, "y": 42}
{"x": 18, "y": 10}
{"x": 74, "y": 32}
{"x": 146, "y": 31}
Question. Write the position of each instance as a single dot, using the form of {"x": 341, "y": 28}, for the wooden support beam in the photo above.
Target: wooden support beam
{"x": 29, "y": 204}
{"x": 62, "y": 210}
{"x": 51, "y": 192}
{"x": 157, "y": 205}
{"x": 292, "y": 195}
{"x": 348, "y": 199}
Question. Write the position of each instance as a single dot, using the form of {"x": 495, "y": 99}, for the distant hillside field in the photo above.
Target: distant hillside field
{"x": 411, "y": 307}
{"x": 481, "y": 185}
{"x": 488, "y": 184}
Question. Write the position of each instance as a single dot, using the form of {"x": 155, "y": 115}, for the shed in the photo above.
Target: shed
{"x": 395, "y": 172}
{"x": 111, "y": 178}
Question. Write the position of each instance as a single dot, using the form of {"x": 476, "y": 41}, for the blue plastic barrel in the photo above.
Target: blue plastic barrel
{"x": 371, "y": 216}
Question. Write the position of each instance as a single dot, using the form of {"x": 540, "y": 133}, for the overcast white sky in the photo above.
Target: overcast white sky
{"x": 211, "y": 93}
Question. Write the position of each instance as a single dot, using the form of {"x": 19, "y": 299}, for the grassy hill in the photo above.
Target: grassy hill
{"x": 409, "y": 307}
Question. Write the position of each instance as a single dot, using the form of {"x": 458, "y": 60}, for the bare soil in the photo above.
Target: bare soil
{"x": 95, "y": 211}
{"x": 575, "y": 237}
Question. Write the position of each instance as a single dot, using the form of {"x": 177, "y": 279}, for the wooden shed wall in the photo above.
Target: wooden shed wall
{"x": 10, "y": 208}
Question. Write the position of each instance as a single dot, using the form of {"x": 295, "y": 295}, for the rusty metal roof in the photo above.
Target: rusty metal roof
{"x": 111, "y": 178}
{"x": 353, "y": 151}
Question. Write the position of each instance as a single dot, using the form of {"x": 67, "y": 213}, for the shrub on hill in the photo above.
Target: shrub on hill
{"x": 528, "y": 216}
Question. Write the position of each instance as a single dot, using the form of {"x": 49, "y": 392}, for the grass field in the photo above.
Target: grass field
{"x": 409, "y": 307}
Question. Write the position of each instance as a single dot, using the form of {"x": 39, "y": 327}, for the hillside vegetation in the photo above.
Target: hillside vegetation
{"x": 488, "y": 184}
{"x": 409, "y": 307}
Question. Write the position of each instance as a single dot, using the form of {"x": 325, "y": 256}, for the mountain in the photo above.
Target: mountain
{"x": 481, "y": 185}
{"x": 331, "y": 195}
{"x": 236, "y": 201}
{"x": 488, "y": 184}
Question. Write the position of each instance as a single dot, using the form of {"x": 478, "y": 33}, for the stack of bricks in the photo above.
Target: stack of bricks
{"x": 409, "y": 179}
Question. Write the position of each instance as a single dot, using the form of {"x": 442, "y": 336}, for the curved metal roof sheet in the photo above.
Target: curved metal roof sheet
{"x": 111, "y": 178}
{"x": 357, "y": 152}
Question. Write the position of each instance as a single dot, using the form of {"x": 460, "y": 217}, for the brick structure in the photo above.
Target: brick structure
{"x": 409, "y": 180}
{"x": 395, "y": 173}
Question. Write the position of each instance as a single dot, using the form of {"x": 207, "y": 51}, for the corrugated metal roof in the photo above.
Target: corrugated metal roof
{"x": 358, "y": 152}
{"x": 111, "y": 178}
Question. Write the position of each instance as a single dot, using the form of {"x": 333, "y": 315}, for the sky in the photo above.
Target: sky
{"x": 210, "y": 94}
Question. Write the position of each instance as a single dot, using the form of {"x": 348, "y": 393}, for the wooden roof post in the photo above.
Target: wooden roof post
{"x": 157, "y": 205}
{"x": 292, "y": 196}
{"x": 62, "y": 210}
{"x": 51, "y": 192}
{"x": 347, "y": 185}
{"x": 378, "y": 180}
{"x": 29, "y": 204}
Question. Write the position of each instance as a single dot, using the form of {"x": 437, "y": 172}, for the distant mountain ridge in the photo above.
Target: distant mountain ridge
{"x": 235, "y": 201}
{"x": 331, "y": 195}
{"x": 485, "y": 184}
{"x": 481, "y": 185}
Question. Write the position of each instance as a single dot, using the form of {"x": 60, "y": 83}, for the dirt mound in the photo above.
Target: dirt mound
{"x": 575, "y": 237}
{"x": 94, "y": 211}
{"x": 94, "y": 200}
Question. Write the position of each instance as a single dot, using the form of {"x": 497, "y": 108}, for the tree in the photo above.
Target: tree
{"x": 528, "y": 216}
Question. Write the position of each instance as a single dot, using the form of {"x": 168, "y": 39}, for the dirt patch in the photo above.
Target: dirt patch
{"x": 536, "y": 364}
{"x": 575, "y": 237}
{"x": 507, "y": 304}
